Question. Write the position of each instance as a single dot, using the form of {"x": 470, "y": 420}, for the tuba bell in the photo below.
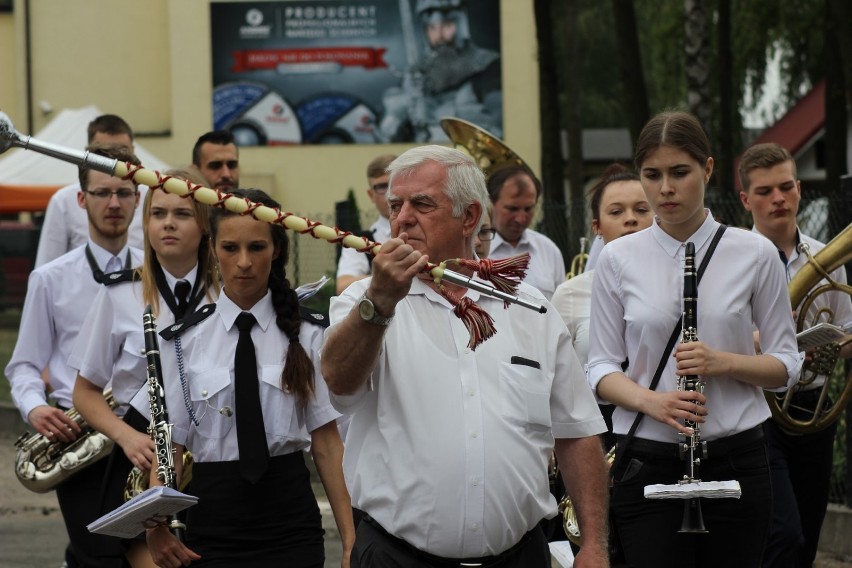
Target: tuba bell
{"x": 813, "y": 280}
{"x": 488, "y": 151}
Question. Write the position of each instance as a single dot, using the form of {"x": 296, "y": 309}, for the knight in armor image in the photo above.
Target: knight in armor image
{"x": 452, "y": 77}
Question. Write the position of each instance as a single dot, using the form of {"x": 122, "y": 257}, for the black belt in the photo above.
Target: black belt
{"x": 484, "y": 561}
{"x": 715, "y": 448}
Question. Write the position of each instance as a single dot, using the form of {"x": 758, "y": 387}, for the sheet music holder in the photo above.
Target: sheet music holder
{"x": 128, "y": 520}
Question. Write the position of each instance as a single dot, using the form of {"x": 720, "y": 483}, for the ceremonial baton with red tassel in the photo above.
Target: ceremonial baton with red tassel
{"x": 505, "y": 274}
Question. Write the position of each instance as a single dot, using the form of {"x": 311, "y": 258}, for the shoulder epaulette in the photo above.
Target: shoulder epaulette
{"x": 129, "y": 275}
{"x": 192, "y": 319}
{"x": 314, "y": 316}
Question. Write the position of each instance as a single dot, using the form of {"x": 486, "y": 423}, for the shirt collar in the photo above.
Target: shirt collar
{"x": 382, "y": 224}
{"x": 674, "y": 247}
{"x": 262, "y": 311}
{"x": 781, "y": 253}
{"x": 103, "y": 256}
{"x": 190, "y": 277}
{"x": 499, "y": 240}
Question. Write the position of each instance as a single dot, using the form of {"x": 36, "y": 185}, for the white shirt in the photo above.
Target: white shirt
{"x": 547, "y": 267}
{"x": 573, "y": 301}
{"x": 449, "y": 447}
{"x": 208, "y": 355}
{"x": 59, "y": 296}
{"x": 637, "y": 299}
{"x": 113, "y": 346}
{"x": 354, "y": 263}
{"x": 838, "y": 302}
{"x": 594, "y": 252}
{"x": 66, "y": 225}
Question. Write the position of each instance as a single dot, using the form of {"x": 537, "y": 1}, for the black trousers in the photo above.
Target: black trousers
{"x": 648, "y": 528}
{"x": 79, "y": 501}
{"x": 801, "y": 473}
{"x": 375, "y": 548}
{"x": 274, "y": 522}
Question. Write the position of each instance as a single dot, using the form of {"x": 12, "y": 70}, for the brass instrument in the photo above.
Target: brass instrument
{"x": 488, "y": 151}
{"x": 42, "y": 464}
{"x": 806, "y": 286}
{"x": 692, "y": 450}
{"x": 569, "y": 514}
{"x": 137, "y": 482}
{"x": 578, "y": 263}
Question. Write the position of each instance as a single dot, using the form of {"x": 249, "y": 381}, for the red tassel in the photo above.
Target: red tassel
{"x": 505, "y": 274}
{"x": 479, "y": 324}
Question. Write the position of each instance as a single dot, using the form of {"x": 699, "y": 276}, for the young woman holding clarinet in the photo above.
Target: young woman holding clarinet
{"x": 636, "y": 304}
{"x": 248, "y": 400}
{"x": 177, "y": 274}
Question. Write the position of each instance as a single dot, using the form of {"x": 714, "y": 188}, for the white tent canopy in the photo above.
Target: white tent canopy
{"x": 68, "y": 129}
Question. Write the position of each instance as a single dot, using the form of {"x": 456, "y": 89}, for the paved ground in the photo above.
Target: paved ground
{"x": 32, "y": 534}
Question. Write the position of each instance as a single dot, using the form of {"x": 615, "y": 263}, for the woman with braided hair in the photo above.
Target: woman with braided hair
{"x": 247, "y": 400}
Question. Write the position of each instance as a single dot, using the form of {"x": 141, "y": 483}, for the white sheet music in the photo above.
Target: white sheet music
{"x": 819, "y": 335}
{"x": 128, "y": 520}
{"x": 707, "y": 489}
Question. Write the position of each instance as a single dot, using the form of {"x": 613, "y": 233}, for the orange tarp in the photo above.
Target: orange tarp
{"x": 20, "y": 198}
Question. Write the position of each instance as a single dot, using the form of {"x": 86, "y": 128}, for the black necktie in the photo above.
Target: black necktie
{"x": 182, "y": 291}
{"x": 251, "y": 435}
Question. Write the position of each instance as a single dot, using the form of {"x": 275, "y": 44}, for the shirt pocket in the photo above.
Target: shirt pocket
{"x": 213, "y": 401}
{"x": 526, "y": 396}
{"x": 277, "y": 404}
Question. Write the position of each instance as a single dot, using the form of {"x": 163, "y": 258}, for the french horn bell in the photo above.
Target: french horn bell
{"x": 809, "y": 283}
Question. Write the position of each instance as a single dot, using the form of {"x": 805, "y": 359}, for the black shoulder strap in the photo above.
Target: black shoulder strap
{"x": 192, "y": 319}
{"x": 313, "y": 316}
{"x": 619, "y": 452}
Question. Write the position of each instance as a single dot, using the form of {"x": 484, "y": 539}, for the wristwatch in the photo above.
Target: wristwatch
{"x": 368, "y": 313}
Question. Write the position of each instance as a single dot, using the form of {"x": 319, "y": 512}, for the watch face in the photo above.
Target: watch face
{"x": 366, "y": 309}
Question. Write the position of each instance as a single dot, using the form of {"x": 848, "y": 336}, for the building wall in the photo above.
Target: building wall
{"x": 150, "y": 63}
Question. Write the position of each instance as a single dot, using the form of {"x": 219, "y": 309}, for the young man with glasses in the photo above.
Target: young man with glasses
{"x": 66, "y": 226}
{"x": 354, "y": 265}
{"x": 59, "y": 295}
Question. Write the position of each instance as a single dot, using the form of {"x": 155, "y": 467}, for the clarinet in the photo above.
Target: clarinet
{"x": 692, "y": 449}
{"x": 159, "y": 427}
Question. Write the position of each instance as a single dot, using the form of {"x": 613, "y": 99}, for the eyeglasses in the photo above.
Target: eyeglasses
{"x": 487, "y": 234}
{"x": 121, "y": 194}
{"x": 380, "y": 188}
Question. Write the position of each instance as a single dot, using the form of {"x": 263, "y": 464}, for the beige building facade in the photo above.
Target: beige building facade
{"x": 150, "y": 63}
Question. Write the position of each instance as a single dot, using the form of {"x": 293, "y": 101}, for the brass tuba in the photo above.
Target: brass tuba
{"x": 806, "y": 286}
{"x": 488, "y": 151}
{"x": 42, "y": 464}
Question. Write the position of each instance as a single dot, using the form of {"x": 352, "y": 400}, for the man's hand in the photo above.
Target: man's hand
{"x": 53, "y": 423}
{"x": 394, "y": 268}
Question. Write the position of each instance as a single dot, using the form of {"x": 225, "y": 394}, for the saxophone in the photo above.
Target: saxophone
{"x": 159, "y": 428}
{"x": 41, "y": 464}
